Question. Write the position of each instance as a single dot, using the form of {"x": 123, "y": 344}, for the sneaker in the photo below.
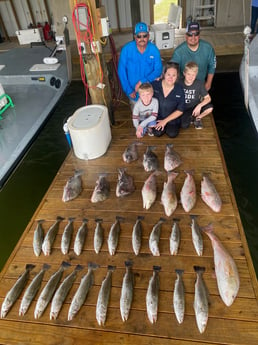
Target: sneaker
{"x": 150, "y": 133}
{"x": 198, "y": 124}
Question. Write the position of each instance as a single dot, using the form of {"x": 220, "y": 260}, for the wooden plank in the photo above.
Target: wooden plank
{"x": 227, "y": 325}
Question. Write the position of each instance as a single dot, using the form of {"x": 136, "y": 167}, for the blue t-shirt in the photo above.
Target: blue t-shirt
{"x": 175, "y": 100}
{"x": 134, "y": 66}
{"x": 204, "y": 56}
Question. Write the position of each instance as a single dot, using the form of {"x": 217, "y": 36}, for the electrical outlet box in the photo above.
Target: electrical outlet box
{"x": 82, "y": 48}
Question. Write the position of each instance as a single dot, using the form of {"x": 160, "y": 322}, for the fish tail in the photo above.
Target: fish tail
{"x": 190, "y": 172}
{"x": 208, "y": 228}
{"x": 98, "y": 220}
{"x": 85, "y": 220}
{"x": 71, "y": 219}
{"x": 29, "y": 267}
{"x": 65, "y": 265}
{"x": 169, "y": 145}
{"x": 176, "y": 220}
{"x": 199, "y": 269}
{"x": 111, "y": 268}
{"x": 59, "y": 218}
{"x": 46, "y": 266}
{"x": 40, "y": 221}
{"x": 128, "y": 263}
{"x": 179, "y": 271}
{"x": 193, "y": 216}
{"x": 78, "y": 172}
{"x": 156, "y": 268}
{"x": 162, "y": 220}
{"x": 93, "y": 265}
{"x": 78, "y": 267}
{"x": 140, "y": 217}
{"x": 120, "y": 218}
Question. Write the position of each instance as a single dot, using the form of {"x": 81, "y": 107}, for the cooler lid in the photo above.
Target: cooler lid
{"x": 174, "y": 15}
{"x": 86, "y": 117}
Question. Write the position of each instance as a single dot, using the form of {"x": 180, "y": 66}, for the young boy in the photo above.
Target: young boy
{"x": 145, "y": 111}
{"x": 197, "y": 98}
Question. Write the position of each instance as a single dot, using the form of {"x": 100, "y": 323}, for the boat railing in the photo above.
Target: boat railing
{"x": 247, "y": 32}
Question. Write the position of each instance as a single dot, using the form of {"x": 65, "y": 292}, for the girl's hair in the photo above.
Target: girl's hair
{"x": 170, "y": 64}
{"x": 191, "y": 65}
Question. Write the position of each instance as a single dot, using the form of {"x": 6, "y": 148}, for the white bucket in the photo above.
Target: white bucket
{"x": 90, "y": 131}
{"x": 3, "y": 101}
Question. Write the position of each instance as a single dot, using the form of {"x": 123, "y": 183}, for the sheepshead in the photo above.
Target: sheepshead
{"x": 113, "y": 235}
{"x": 31, "y": 290}
{"x": 188, "y": 191}
{"x": 82, "y": 291}
{"x": 98, "y": 235}
{"x": 209, "y": 194}
{"x": 168, "y": 195}
{"x": 49, "y": 290}
{"x": 101, "y": 190}
{"x": 152, "y": 296}
{"x": 174, "y": 240}
{"x": 73, "y": 186}
{"x": 127, "y": 291}
{"x": 225, "y": 268}
{"x": 196, "y": 235}
{"x": 150, "y": 159}
{"x": 155, "y": 236}
{"x": 131, "y": 153}
{"x": 67, "y": 235}
{"x": 172, "y": 159}
{"x": 201, "y": 301}
{"x": 103, "y": 297}
{"x": 149, "y": 191}
{"x": 179, "y": 296}
{"x": 125, "y": 184}
{"x": 14, "y": 293}
{"x": 38, "y": 238}
{"x": 80, "y": 237}
{"x": 50, "y": 236}
{"x": 137, "y": 235}
{"x": 62, "y": 292}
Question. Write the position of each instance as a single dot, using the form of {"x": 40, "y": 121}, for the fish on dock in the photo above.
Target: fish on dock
{"x": 201, "y": 300}
{"x": 152, "y": 296}
{"x": 196, "y": 235}
{"x": 179, "y": 296}
{"x": 50, "y": 236}
{"x": 174, "y": 240}
{"x": 155, "y": 236}
{"x": 125, "y": 184}
{"x": 188, "y": 191}
{"x": 62, "y": 292}
{"x": 73, "y": 186}
{"x": 150, "y": 159}
{"x": 172, "y": 159}
{"x": 225, "y": 268}
{"x": 137, "y": 235}
{"x": 31, "y": 290}
{"x": 168, "y": 195}
{"x": 101, "y": 190}
{"x": 131, "y": 153}
{"x": 67, "y": 235}
{"x": 49, "y": 290}
{"x": 126, "y": 297}
{"x": 98, "y": 235}
{"x": 82, "y": 291}
{"x": 80, "y": 237}
{"x": 113, "y": 235}
{"x": 209, "y": 194}
{"x": 14, "y": 293}
{"x": 104, "y": 296}
{"x": 149, "y": 190}
{"x": 38, "y": 238}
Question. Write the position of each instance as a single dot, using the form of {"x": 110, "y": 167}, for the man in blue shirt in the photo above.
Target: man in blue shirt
{"x": 139, "y": 62}
{"x": 199, "y": 51}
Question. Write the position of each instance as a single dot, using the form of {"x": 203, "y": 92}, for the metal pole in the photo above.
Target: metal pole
{"x": 246, "y": 65}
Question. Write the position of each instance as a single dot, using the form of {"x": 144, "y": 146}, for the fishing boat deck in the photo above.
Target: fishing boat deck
{"x": 200, "y": 150}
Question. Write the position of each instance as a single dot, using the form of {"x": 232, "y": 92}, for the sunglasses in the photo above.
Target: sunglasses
{"x": 191, "y": 34}
{"x": 142, "y": 36}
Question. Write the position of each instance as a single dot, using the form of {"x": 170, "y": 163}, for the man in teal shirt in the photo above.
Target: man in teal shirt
{"x": 199, "y": 51}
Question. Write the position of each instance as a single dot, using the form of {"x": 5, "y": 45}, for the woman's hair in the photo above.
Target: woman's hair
{"x": 170, "y": 64}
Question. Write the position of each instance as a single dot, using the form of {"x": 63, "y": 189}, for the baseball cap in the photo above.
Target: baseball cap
{"x": 141, "y": 27}
{"x": 193, "y": 26}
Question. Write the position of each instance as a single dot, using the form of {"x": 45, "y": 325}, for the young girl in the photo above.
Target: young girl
{"x": 171, "y": 100}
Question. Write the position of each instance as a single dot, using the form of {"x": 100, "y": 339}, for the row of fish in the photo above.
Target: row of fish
{"x": 59, "y": 294}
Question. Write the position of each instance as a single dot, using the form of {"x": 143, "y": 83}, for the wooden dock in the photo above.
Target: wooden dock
{"x": 200, "y": 150}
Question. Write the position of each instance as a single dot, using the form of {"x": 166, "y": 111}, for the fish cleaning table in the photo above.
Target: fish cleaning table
{"x": 200, "y": 150}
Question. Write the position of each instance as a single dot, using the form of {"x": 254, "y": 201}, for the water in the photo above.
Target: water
{"x": 22, "y": 194}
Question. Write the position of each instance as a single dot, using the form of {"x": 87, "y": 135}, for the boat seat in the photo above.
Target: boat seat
{"x": 9, "y": 103}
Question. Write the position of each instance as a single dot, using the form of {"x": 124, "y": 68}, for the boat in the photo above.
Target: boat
{"x": 32, "y": 79}
{"x": 249, "y": 76}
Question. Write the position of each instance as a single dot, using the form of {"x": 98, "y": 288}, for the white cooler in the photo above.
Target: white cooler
{"x": 90, "y": 132}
